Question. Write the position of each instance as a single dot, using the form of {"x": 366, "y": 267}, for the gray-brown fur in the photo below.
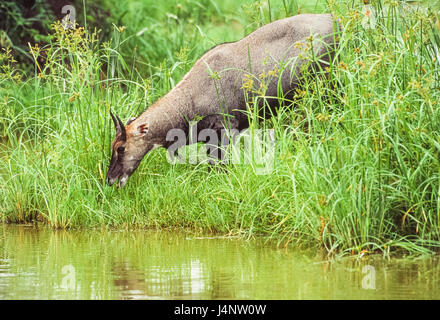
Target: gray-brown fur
{"x": 214, "y": 85}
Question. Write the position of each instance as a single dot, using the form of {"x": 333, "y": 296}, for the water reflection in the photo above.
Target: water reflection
{"x": 46, "y": 264}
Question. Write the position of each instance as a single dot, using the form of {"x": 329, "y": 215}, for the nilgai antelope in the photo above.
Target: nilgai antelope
{"x": 217, "y": 86}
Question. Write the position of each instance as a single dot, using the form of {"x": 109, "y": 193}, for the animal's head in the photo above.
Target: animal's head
{"x": 128, "y": 149}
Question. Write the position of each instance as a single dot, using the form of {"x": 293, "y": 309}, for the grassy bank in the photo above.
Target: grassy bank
{"x": 356, "y": 161}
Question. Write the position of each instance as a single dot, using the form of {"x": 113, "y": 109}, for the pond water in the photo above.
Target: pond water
{"x": 47, "y": 264}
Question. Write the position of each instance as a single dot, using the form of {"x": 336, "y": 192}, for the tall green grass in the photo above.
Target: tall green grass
{"x": 357, "y": 153}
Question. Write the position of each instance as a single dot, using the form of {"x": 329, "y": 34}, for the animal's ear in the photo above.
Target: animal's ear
{"x": 130, "y": 121}
{"x": 142, "y": 129}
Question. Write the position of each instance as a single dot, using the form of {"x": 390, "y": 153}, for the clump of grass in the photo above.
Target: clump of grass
{"x": 357, "y": 152}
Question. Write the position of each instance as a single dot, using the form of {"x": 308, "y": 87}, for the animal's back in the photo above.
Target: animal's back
{"x": 216, "y": 80}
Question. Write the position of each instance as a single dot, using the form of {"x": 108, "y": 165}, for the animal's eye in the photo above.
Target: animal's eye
{"x": 121, "y": 150}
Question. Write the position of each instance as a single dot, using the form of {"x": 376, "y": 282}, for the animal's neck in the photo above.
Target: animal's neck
{"x": 172, "y": 111}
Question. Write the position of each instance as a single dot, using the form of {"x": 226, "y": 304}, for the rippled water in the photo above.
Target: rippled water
{"x": 47, "y": 264}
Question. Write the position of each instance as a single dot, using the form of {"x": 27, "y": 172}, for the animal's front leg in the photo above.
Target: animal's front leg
{"x": 218, "y": 135}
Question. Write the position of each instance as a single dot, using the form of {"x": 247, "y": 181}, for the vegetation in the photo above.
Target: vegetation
{"x": 357, "y": 158}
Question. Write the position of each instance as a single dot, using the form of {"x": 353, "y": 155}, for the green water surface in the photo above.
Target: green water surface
{"x": 47, "y": 264}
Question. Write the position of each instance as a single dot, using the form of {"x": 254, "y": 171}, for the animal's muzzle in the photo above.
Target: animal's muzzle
{"x": 122, "y": 181}
{"x": 109, "y": 181}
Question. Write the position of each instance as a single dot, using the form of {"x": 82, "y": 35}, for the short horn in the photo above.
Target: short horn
{"x": 120, "y": 128}
{"x": 115, "y": 122}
